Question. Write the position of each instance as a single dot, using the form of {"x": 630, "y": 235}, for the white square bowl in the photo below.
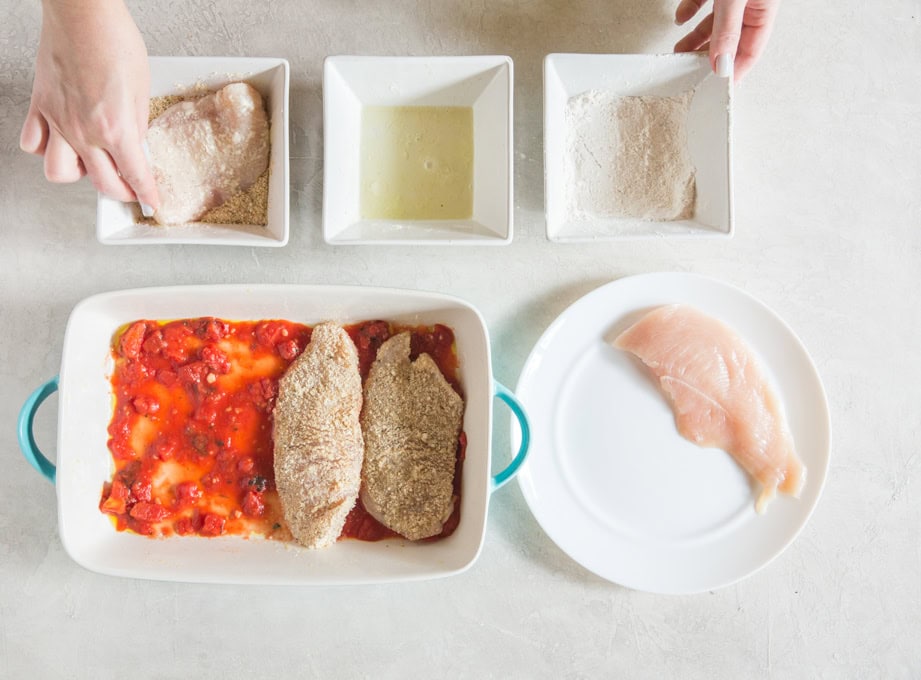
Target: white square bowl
{"x": 709, "y": 139}
{"x": 115, "y": 221}
{"x": 481, "y": 82}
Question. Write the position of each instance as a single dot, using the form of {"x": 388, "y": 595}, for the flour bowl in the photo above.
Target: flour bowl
{"x": 707, "y": 117}
{"x": 119, "y": 223}
{"x": 354, "y": 85}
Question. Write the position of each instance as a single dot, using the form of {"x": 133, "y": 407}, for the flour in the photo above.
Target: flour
{"x": 627, "y": 157}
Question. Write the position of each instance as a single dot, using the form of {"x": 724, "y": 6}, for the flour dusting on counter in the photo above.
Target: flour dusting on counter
{"x": 627, "y": 157}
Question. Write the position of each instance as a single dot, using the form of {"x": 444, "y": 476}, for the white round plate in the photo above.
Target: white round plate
{"x": 610, "y": 479}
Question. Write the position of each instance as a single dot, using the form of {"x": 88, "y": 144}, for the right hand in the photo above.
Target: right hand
{"x": 735, "y": 33}
{"x": 90, "y": 99}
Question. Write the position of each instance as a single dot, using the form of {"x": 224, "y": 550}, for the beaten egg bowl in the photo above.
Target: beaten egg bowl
{"x": 483, "y": 83}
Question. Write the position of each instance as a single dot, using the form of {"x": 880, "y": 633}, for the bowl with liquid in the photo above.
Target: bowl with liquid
{"x": 417, "y": 150}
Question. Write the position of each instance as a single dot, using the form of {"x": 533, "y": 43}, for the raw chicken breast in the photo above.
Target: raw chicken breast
{"x": 204, "y": 151}
{"x": 718, "y": 393}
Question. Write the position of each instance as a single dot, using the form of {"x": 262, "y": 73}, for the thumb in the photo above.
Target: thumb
{"x": 727, "y": 29}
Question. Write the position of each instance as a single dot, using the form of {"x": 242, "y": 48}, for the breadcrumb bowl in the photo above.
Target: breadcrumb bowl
{"x": 709, "y": 142}
{"x": 119, "y": 224}
{"x": 83, "y": 461}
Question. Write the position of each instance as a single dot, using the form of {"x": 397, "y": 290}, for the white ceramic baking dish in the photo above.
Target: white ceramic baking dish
{"x": 84, "y": 463}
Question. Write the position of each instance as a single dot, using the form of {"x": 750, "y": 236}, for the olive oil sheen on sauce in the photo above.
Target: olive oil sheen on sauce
{"x": 417, "y": 162}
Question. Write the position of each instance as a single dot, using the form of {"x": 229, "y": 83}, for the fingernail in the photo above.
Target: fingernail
{"x": 724, "y": 65}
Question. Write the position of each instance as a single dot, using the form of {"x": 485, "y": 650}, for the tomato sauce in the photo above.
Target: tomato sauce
{"x": 191, "y": 433}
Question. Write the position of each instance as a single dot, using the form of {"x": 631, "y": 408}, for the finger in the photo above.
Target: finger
{"x": 687, "y": 9}
{"x": 143, "y": 114}
{"x": 102, "y": 172}
{"x": 696, "y": 38}
{"x": 62, "y": 164}
{"x": 135, "y": 170}
{"x": 752, "y": 42}
{"x": 34, "y": 135}
{"x": 751, "y": 46}
{"x": 727, "y": 29}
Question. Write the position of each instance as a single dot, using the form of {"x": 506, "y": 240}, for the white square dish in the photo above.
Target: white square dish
{"x": 84, "y": 462}
{"x": 709, "y": 140}
{"x": 115, "y": 221}
{"x": 482, "y": 82}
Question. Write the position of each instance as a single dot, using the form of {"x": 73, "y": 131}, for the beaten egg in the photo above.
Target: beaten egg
{"x": 417, "y": 162}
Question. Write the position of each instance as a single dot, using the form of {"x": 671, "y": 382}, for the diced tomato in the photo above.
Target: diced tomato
{"x": 167, "y": 378}
{"x": 175, "y": 335}
{"x": 135, "y": 372}
{"x": 145, "y": 405}
{"x": 270, "y": 333}
{"x": 164, "y": 448}
{"x": 371, "y": 335}
{"x": 149, "y": 512}
{"x": 212, "y": 329}
{"x": 207, "y": 410}
{"x": 187, "y": 493}
{"x": 215, "y": 359}
{"x": 183, "y": 526}
{"x": 245, "y": 465}
{"x": 288, "y": 350}
{"x": 253, "y": 505}
{"x": 141, "y": 490}
{"x": 116, "y": 502}
{"x": 119, "y": 442}
{"x": 154, "y": 342}
{"x": 263, "y": 392}
{"x": 192, "y": 373}
{"x": 368, "y": 337}
{"x": 132, "y": 340}
{"x": 142, "y": 527}
{"x": 212, "y": 525}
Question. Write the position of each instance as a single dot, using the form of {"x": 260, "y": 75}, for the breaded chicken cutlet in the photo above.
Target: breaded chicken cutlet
{"x": 318, "y": 440}
{"x": 411, "y": 420}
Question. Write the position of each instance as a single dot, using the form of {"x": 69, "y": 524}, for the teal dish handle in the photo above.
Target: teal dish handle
{"x": 26, "y": 439}
{"x": 38, "y": 460}
{"x": 503, "y": 393}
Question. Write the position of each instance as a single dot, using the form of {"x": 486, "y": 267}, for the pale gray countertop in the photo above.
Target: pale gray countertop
{"x": 828, "y": 190}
